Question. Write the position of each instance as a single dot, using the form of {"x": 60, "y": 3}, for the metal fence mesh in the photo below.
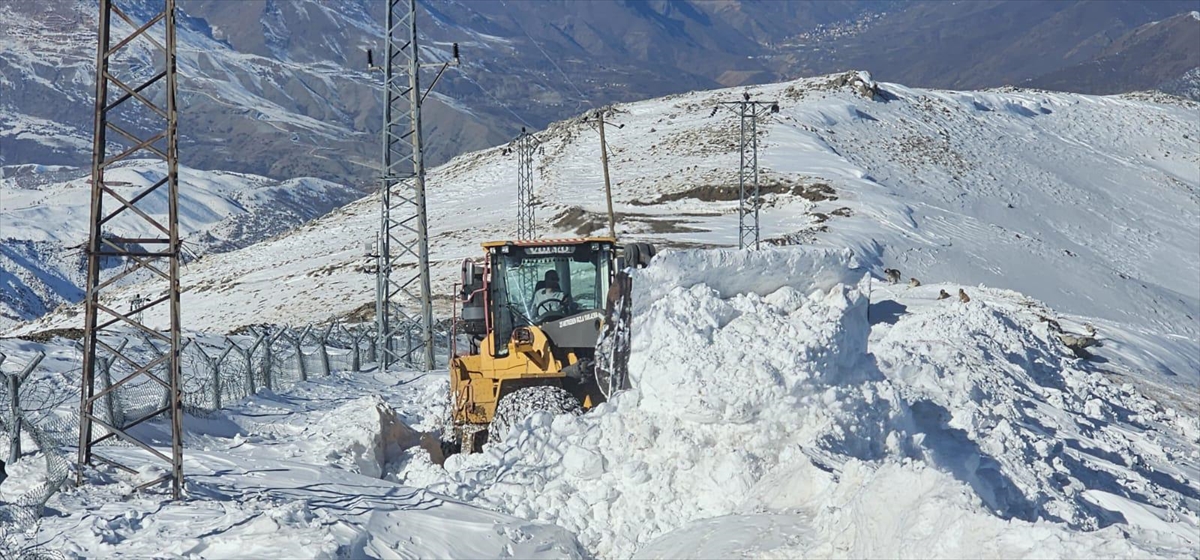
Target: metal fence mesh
{"x": 215, "y": 373}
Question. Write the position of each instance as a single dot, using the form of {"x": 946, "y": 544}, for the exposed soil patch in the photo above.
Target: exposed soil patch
{"x": 583, "y": 222}
{"x": 361, "y": 314}
{"x": 814, "y": 192}
{"x": 48, "y": 335}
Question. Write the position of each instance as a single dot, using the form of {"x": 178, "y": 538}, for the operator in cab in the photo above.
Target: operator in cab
{"x": 549, "y": 297}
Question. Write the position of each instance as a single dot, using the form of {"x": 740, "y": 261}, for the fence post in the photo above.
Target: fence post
{"x": 116, "y": 414}
{"x": 268, "y": 360}
{"x": 299, "y": 356}
{"x": 212, "y": 373}
{"x": 372, "y": 349}
{"x": 250, "y": 363}
{"x": 325, "y": 350}
{"x": 14, "y": 432}
{"x": 14, "y": 388}
{"x": 166, "y": 400}
{"x": 3, "y": 473}
{"x": 355, "y": 359}
{"x": 217, "y": 374}
{"x": 110, "y": 397}
{"x": 241, "y": 352}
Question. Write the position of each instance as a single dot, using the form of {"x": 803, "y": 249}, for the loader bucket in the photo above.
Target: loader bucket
{"x": 612, "y": 349}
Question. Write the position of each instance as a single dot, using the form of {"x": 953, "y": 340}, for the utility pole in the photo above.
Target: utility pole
{"x": 525, "y": 144}
{"x": 598, "y": 117}
{"x": 143, "y": 98}
{"x": 749, "y": 199}
{"x": 403, "y": 305}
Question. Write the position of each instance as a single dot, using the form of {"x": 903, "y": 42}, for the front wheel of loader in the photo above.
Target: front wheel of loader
{"x": 523, "y": 403}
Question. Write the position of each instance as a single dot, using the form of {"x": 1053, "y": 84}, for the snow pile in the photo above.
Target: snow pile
{"x": 759, "y": 412}
{"x": 729, "y": 388}
{"x": 1036, "y": 436}
{"x": 365, "y": 435}
{"x": 732, "y": 272}
{"x": 891, "y": 509}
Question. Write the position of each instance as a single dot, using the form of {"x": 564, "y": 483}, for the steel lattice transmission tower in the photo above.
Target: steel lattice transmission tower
{"x": 749, "y": 199}
{"x": 403, "y": 305}
{"x": 525, "y": 144}
{"x": 135, "y": 117}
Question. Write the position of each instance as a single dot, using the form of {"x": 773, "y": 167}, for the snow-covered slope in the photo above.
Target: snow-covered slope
{"x": 785, "y": 405}
{"x": 783, "y": 408}
{"x": 1085, "y": 203}
{"x": 298, "y": 108}
{"x": 292, "y": 475}
{"x": 44, "y": 216}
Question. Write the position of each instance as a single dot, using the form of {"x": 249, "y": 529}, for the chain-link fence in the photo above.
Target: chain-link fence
{"x": 32, "y": 409}
{"x": 216, "y": 372}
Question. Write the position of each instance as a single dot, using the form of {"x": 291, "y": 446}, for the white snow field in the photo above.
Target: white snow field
{"x": 785, "y": 404}
{"x": 44, "y": 221}
{"x": 291, "y": 475}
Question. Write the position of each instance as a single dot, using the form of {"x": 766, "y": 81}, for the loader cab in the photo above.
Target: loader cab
{"x": 547, "y": 284}
{"x": 545, "y": 317}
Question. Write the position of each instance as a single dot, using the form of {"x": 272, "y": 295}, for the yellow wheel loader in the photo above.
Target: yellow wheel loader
{"x": 543, "y": 326}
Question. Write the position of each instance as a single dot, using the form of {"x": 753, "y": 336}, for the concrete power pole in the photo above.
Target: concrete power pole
{"x": 749, "y": 199}
{"x": 141, "y": 112}
{"x": 597, "y": 118}
{"x": 403, "y": 304}
{"x": 612, "y": 227}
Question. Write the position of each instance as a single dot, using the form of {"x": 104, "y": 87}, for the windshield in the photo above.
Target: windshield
{"x": 541, "y": 287}
{"x": 531, "y": 289}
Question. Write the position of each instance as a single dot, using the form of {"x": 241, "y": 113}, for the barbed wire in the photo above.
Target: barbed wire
{"x": 215, "y": 373}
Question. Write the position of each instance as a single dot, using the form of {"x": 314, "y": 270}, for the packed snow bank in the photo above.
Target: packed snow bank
{"x": 365, "y": 436}
{"x": 293, "y": 474}
{"x": 730, "y": 272}
{"x": 759, "y": 397}
{"x": 1034, "y": 431}
{"x": 887, "y": 510}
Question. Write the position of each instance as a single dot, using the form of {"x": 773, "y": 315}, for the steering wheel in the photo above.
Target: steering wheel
{"x": 560, "y": 307}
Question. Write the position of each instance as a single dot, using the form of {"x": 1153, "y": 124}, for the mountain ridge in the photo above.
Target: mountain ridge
{"x": 280, "y": 89}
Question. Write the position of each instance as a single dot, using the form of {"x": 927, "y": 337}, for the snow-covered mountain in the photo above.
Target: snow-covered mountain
{"x": 785, "y": 404}
{"x": 276, "y": 114}
{"x": 279, "y": 87}
{"x": 1088, "y": 204}
{"x": 44, "y": 222}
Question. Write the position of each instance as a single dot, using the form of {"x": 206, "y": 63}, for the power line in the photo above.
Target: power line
{"x": 552, "y": 62}
{"x": 497, "y": 100}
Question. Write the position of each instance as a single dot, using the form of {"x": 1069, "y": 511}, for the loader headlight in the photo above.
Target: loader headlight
{"x": 522, "y": 336}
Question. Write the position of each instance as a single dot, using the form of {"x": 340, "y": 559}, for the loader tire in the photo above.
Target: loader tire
{"x": 638, "y": 255}
{"x": 523, "y": 403}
